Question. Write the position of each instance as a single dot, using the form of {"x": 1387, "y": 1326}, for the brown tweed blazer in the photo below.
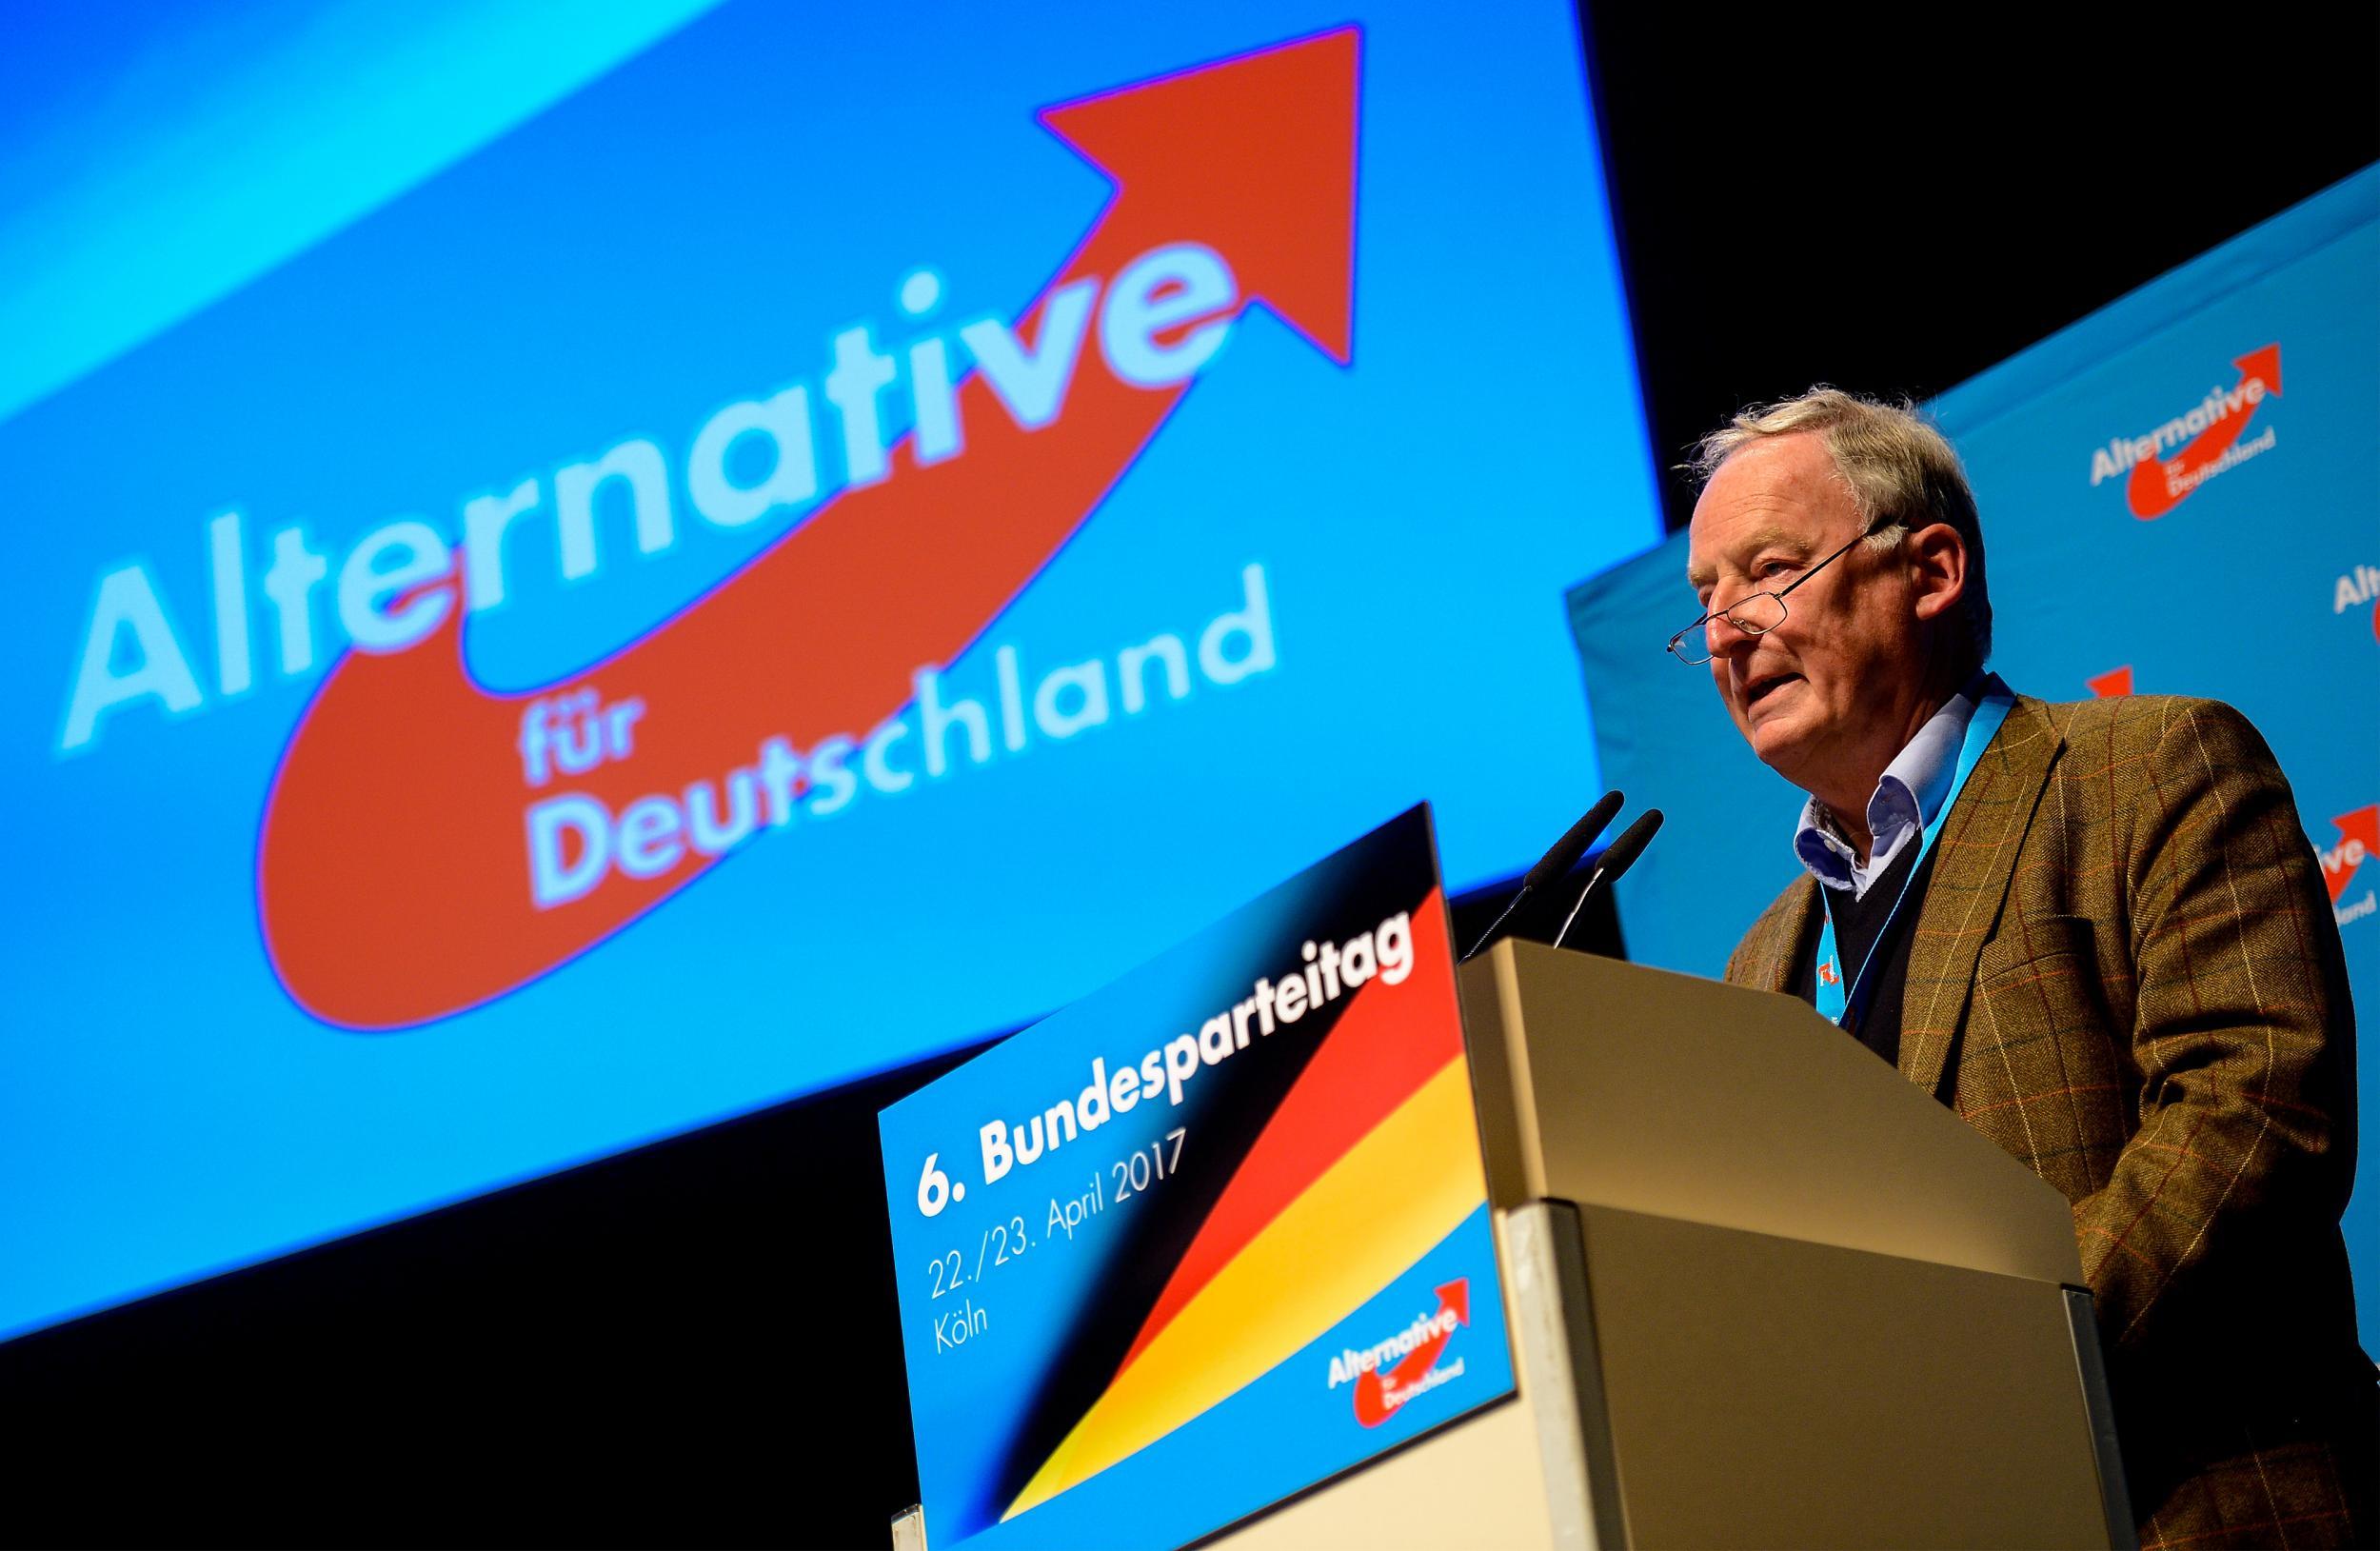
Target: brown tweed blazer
{"x": 2124, "y": 971}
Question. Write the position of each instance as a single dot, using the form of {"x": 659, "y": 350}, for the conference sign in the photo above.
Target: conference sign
{"x": 1212, "y": 1235}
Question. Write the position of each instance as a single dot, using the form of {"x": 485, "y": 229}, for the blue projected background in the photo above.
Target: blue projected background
{"x": 570, "y": 586}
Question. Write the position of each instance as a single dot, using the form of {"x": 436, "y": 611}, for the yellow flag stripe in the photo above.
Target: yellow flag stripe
{"x": 1365, "y": 1221}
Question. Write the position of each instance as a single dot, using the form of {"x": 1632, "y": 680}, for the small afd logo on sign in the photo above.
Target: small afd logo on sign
{"x": 1405, "y": 1366}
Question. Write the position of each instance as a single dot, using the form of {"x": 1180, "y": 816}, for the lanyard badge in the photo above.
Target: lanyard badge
{"x": 1838, "y": 1002}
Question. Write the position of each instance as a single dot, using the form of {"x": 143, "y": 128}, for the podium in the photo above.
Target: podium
{"x": 1764, "y": 1293}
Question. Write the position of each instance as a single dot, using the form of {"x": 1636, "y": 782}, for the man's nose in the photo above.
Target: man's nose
{"x": 1723, "y": 639}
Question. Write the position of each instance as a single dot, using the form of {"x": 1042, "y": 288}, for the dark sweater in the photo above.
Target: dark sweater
{"x": 1859, "y": 926}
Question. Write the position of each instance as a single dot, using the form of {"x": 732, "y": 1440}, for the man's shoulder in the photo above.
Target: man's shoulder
{"x": 2144, "y": 762}
{"x": 2139, "y": 724}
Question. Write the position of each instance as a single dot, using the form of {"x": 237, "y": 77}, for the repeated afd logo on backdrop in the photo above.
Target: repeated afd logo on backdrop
{"x": 2165, "y": 465}
{"x": 2358, "y": 839}
{"x": 2116, "y": 681}
{"x": 2358, "y": 589}
{"x": 1234, "y": 184}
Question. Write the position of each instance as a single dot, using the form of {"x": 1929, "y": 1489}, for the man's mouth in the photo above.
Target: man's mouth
{"x": 1759, "y": 689}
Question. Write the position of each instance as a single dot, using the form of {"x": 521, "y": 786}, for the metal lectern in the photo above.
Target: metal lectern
{"x": 1764, "y": 1293}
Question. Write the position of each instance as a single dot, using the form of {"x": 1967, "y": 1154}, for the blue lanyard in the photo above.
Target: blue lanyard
{"x": 1836, "y": 1000}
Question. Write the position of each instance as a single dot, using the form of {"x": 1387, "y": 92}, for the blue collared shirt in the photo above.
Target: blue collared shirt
{"x": 1906, "y": 801}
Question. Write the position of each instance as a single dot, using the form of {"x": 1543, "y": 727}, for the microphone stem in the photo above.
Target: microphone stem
{"x": 1489, "y": 936}
{"x": 1580, "y": 905}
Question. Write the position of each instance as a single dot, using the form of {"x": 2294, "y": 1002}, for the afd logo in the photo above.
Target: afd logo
{"x": 2165, "y": 465}
{"x": 413, "y": 863}
{"x": 1405, "y": 1366}
{"x": 2355, "y": 589}
{"x": 2359, "y": 838}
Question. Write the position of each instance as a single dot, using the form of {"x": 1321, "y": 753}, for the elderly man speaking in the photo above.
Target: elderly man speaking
{"x": 2095, "y": 930}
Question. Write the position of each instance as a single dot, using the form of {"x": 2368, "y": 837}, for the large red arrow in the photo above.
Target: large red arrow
{"x": 392, "y": 878}
{"x": 1376, "y": 1399}
{"x": 2158, "y": 486}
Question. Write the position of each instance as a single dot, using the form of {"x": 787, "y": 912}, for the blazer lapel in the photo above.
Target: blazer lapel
{"x": 1974, "y": 862}
{"x": 1768, "y": 962}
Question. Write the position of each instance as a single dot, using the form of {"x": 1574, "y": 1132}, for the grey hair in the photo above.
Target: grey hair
{"x": 1902, "y": 472}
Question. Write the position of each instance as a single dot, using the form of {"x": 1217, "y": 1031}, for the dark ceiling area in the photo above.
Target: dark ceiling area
{"x": 694, "y": 1342}
{"x": 1893, "y": 199}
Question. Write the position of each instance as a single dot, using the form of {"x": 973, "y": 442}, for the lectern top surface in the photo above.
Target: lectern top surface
{"x": 1608, "y": 1084}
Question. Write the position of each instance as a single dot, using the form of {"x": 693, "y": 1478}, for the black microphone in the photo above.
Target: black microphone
{"x": 1560, "y": 859}
{"x": 1618, "y": 858}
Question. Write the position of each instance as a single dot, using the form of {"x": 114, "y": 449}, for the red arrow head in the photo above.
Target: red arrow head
{"x": 1253, "y": 155}
{"x": 2265, "y": 363}
{"x": 2116, "y": 681}
{"x": 1456, "y": 1296}
{"x": 2364, "y": 826}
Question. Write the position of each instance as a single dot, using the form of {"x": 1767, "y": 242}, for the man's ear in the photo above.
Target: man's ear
{"x": 1937, "y": 558}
